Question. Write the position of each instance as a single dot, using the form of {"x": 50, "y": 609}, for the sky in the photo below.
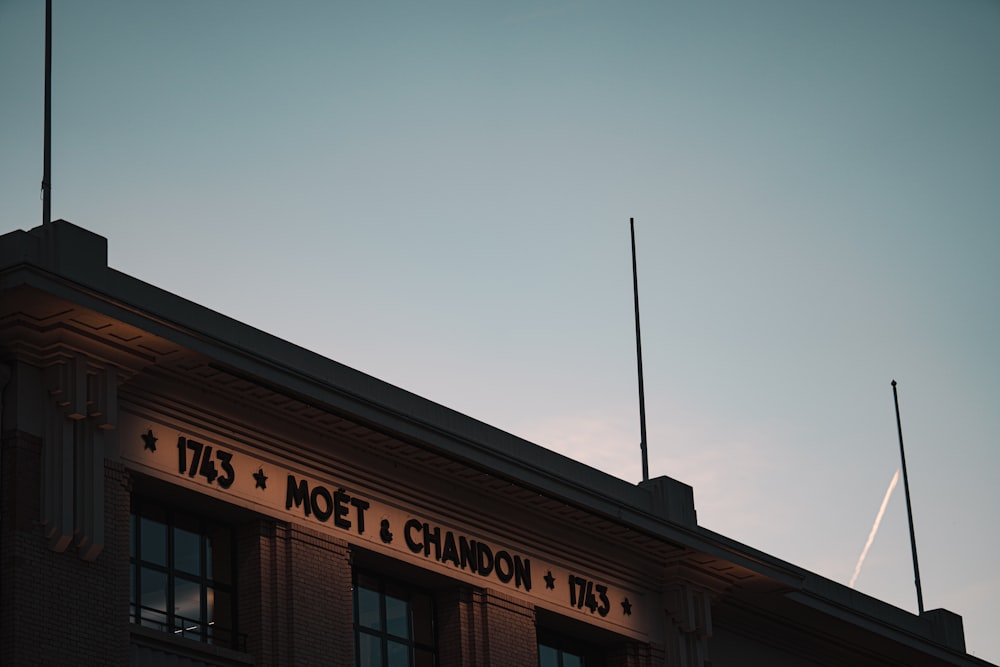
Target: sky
{"x": 438, "y": 194}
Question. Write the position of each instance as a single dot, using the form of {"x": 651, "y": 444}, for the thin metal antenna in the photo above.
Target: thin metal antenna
{"x": 638, "y": 352}
{"x": 47, "y": 141}
{"x": 909, "y": 509}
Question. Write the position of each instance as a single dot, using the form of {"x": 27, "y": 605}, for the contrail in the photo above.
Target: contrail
{"x": 871, "y": 535}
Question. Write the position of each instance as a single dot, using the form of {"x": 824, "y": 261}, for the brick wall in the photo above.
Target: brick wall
{"x": 510, "y": 631}
{"x": 257, "y": 591}
{"x": 485, "y": 628}
{"x": 295, "y": 598}
{"x": 459, "y": 628}
{"x": 321, "y": 606}
{"x": 56, "y": 609}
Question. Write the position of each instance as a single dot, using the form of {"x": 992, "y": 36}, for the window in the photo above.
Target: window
{"x": 550, "y": 656}
{"x": 393, "y": 625}
{"x": 568, "y": 650}
{"x": 181, "y": 569}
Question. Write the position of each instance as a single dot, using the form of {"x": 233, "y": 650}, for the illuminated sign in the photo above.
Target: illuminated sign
{"x": 293, "y": 492}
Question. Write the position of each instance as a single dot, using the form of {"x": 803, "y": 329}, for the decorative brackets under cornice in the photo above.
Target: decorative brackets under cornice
{"x": 80, "y": 414}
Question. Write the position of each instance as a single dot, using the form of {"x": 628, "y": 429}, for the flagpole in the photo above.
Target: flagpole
{"x": 909, "y": 509}
{"x": 47, "y": 131}
{"x": 638, "y": 351}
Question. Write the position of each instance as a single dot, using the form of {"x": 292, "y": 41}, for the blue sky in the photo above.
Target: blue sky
{"x": 438, "y": 194}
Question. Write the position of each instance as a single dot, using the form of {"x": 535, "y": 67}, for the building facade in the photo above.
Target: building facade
{"x": 177, "y": 488}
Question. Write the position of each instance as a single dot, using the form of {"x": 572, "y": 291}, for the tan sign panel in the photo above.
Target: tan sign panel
{"x": 239, "y": 475}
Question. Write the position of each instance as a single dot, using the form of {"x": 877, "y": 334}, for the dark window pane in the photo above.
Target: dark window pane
{"x": 155, "y": 620}
{"x": 369, "y": 651}
{"x": 570, "y": 660}
{"x": 397, "y": 621}
{"x": 369, "y": 614}
{"x": 169, "y": 586}
{"x": 153, "y": 546}
{"x": 397, "y": 654}
{"x": 154, "y": 598}
{"x": 547, "y": 656}
{"x": 393, "y": 624}
{"x": 187, "y": 551}
{"x": 131, "y": 540}
{"x": 219, "y": 555}
{"x": 220, "y": 616}
{"x": 220, "y": 608}
{"x": 187, "y": 606}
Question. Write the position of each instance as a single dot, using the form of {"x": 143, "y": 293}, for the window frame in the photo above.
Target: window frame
{"x": 387, "y": 587}
{"x": 589, "y": 654}
{"x": 210, "y": 583}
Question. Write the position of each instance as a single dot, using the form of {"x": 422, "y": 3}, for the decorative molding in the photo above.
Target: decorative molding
{"x": 688, "y": 624}
{"x": 80, "y": 416}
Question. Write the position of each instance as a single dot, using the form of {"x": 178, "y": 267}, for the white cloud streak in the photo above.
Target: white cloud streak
{"x": 871, "y": 535}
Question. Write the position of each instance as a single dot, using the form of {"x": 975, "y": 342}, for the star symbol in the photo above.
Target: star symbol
{"x": 550, "y": 581}
{"x": 261, "y": 479}
{"x": 149, "y": 441}
{"x": 627, "y": 607}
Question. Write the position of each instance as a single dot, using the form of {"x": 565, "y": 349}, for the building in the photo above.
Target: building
{"x": 178, "y": 488}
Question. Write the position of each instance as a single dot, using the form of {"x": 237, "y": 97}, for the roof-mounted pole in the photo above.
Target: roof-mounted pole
{"x": 909, "y": 509}
{"x": 47, "y": 131}
{"x": 638, "y": 354}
